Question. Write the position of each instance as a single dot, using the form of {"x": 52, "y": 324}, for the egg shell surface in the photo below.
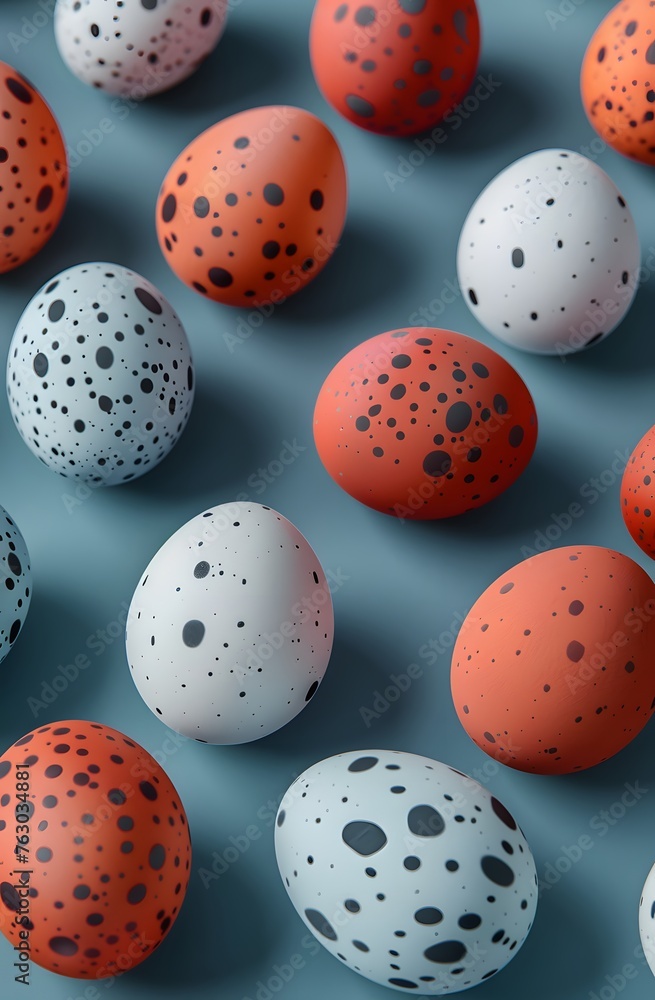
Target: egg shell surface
{"x": 647, "y": 919}
{"x": 638, "y": 494}
{"x": 254, "y": 207}
{"x": 424, "y": 423}
{"x": 548, "y": 257}
{"x": 136, "y": 48}
{"x": 15, "y": 582}
{"x": 552, "y": 669}
{"x": 407, "y": 870}
{"x": 395, "y": 68}
{"x": 618, "y": 80}
{"x": 109, "y": 848}
{"x": 230, "y": 628}
{"x": 99, "y": 374}
{"x": 33, "y": 170}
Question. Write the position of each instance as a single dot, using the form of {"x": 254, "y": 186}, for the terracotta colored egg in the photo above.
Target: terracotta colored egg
{"x": 618, "y": 80}
{"x": 638, "y": 494}
{"x": 552, "y": 669}
{"x": 424, "y": 423}
{"x": 254, "y": 207}
{"x": 108, "y": 850}
{"x": 395, "y": 67}
{"x": 33, "y": 170}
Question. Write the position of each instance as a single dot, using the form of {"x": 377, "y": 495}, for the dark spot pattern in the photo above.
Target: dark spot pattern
{"x": 80, "y": 407}
{"x": 209, "y": 241}
{"x": 434, "y": 412}
{"x": 73, "y": 938}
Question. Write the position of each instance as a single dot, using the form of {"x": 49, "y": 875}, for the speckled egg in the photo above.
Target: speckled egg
{"x": 647, "y": 919}
{"x": 254, "y": 207}
{"x": 395, "y": 67}
{"x": 137, "y": 48}
{"x": 551, "y": 671}
{"x": 99, "y": 374}
{"x": 16, "y": 582}
{"x": 407, "y": 870}
{"x": 548, "y": 256}
{"x": 638, "y": 494}
{"x": 106, "y": 853}
{"x": 618, "y": 80}
{"x": 33, "y": 170}
{"x": 230, "y": 628}
{"x": 424, "y": 423}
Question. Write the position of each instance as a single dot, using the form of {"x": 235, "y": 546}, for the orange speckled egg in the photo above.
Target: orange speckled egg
{"x": 395, "y": 66}
{"x": 33, "y": 170}
{"x": 424, "y": 423}
{"x": 638, "y": 494}
{"x": 254, "y": 207}
{"x": 552, "y": 669}
{"x": 107, "y": 850}
{"x": 618, "y": 80}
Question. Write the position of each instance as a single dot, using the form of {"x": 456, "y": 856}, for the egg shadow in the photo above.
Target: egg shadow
{"x": 635, "y": 763}
{"x": 499, "y": 121}
{"x": 517, "y": 514}
{"x": 222, "y": 930}
{"x": 240, "y": 69}
{"x": 65, "y": 629}
{"x": 336, "y": 718}
{"x": 628, "y": 349}
{"x": 564, "y": 946}
{"x": 369, "y": 265}
{"x": 89, "y": 231}
{"x": 217, "y": 451}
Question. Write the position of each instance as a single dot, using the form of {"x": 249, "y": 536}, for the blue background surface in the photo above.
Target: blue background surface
{"x": 406, "y": 583}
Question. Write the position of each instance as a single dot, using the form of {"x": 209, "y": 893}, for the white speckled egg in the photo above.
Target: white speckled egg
{"x": 407, "y": 870}
{"x": 230, "y": 628}
{"x": 15, "y": 582}
{"x": 647, "y": 919}
{"x": 548, "y": 257}
{"x": 137, "y": 48}
{"x": 99, "y": 374}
